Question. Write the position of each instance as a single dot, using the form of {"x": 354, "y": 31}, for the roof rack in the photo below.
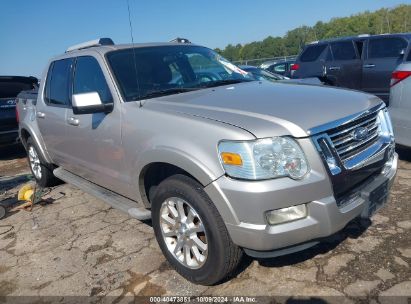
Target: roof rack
{"x": 180, "y": 40}
{"x": 91, "y": 43}
{"x": 363, "y": 35}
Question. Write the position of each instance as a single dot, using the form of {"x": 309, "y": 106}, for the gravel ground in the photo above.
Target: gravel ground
{"x": 78, "y": 246}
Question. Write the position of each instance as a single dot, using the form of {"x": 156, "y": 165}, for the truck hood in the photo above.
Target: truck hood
{"x": 266, "y": 109}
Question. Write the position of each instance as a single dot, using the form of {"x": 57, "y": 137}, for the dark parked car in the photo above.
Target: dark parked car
{"x": 363, "y": 62}
{"x": 10, "y": 87}
{"x": 282, "y": 67}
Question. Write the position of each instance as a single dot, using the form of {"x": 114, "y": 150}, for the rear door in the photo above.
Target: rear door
{"x": 344, "y": 70}
{"x": 311, "y": 61}
{"x": 94, "y": 142}
{"x": 51, "y": 111}
{"x": 383, "y": 55}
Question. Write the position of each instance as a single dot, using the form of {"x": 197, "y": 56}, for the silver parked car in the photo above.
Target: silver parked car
{"x": 400, "y": 102}
{"x": 222, "y": 164}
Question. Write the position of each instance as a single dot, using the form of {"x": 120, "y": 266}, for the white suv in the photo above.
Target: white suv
{"x": 400, "y": 103}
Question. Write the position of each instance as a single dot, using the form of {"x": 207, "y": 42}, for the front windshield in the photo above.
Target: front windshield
{"x": 147, "y": 72}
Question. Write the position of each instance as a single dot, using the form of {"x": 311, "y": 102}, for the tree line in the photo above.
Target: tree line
{"x": 394, "y": 20}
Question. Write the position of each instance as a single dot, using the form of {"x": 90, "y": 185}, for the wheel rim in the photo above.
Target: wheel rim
{"x": 183, "y": 232}
{"x": 34, "y": 161}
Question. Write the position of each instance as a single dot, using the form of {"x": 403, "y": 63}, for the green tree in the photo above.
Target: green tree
{"x": 395, "y": 20}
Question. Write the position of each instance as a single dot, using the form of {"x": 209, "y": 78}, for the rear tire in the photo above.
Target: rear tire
{"x": 42, "y": 172}
{"x": 207, "y": 253}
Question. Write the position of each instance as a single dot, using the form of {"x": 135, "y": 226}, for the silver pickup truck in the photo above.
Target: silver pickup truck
{"x": 221, "y": 163}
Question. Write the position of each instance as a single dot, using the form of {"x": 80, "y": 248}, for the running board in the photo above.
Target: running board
{"x": 111, "y": 198}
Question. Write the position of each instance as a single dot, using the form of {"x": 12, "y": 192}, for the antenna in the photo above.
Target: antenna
{"x": 129, "y": 21}
{"x": 134, "y": 50}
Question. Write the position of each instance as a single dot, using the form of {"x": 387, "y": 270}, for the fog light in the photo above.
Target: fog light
{"x": 387, "y": 166}
{"x": 288, "y": 214}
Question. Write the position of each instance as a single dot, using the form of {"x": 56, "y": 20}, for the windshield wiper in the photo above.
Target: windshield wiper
{"x": 165, "y": 92}
{"x": 217, "y": 83}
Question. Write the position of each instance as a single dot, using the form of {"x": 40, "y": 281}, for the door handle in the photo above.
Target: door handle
{"x": 334, "y": 68}
{"x": 369, "y": 66}
{"x": 41, "y": 114}
{"x": 73, "y": 121}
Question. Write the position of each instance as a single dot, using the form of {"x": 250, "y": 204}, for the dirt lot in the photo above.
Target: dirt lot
{"x": 77, "y": 245}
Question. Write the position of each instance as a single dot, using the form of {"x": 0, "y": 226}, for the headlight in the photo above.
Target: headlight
{"x": 263, "y": 158}
{"x": 385, "y": 123}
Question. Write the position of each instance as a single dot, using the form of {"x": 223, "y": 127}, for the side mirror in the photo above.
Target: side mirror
{"x": 88, "y": 103}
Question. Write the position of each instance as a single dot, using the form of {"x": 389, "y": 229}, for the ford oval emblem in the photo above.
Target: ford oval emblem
{"x": 360, "y": 133}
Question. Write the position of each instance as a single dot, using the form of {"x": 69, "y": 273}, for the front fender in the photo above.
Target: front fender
{"x": 181, "y": 159}
{"x": 193, "y": 166}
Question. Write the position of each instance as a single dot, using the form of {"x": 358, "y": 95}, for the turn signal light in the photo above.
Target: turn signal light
{"x": 232, "y": 159}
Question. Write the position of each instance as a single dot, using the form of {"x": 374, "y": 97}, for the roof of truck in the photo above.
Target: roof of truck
{"x": 107, "y": 48}
{"x": 103, "y": 49}
{"x": 108, "y": 43}
{"x": 139, "y": 45}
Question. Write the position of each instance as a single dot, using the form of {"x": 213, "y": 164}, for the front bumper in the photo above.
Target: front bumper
{"x": 250, "y": 200}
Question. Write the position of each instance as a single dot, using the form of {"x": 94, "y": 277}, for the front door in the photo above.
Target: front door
{"x": 51, "y": 110}
{"x": 96, "y": 151}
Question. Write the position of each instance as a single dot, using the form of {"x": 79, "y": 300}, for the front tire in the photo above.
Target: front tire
{"x": 191, "y": 232}
{"x": 41, "y": 171}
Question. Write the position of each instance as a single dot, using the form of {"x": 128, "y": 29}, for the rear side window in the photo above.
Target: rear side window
{"x": 57, "y": 83}
{"x": 89, "y": 77}
{"x": 343, "y": 50}
{"x": 311, "y": 53}
{"x": 409, "y": 55}
{"x": 386, "y": 47}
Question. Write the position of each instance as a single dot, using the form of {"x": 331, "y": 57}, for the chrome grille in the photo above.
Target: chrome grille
{"x": 343, "y": 137}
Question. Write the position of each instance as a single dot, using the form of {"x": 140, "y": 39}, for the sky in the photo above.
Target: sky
{"x": 33, "y": 31}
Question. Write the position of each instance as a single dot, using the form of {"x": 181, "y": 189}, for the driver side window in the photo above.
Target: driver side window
{"x": 89, "y": 77}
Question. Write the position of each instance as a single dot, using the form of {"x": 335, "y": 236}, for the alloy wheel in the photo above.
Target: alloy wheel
{"x": 183, "y": 232}
{"x": 34, "y": 161}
